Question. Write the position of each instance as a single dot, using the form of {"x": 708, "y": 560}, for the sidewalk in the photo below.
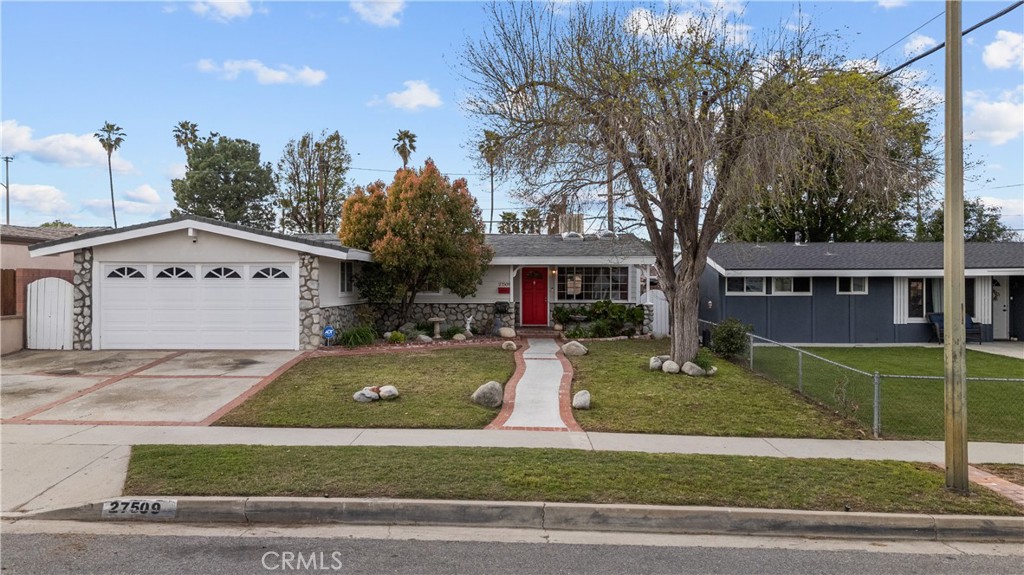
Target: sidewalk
{"x": 46, "y": 466}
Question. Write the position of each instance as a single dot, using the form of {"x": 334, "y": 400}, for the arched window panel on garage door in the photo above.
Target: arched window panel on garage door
{"x": 125, "y": 272}
{"x": 175, "y": 272}
{"x": 269, "y": 273}
{"x": 222, "y": 272}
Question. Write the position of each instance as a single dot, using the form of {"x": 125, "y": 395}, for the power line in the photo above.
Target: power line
{"x": 942, "y": 45}
{"x": 996, "y": 188}
{"x": 887, "y": 48}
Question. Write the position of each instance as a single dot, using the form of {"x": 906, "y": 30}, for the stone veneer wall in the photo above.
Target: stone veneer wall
{"x": 341, "y": 317}
{"x": 81, "y": 337}
{"x": 309, "y": 301}
{"x": 455, "y": 314}
{"x": 648, "y": 313}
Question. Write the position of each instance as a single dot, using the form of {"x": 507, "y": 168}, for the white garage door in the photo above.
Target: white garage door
{"x": 198, "y": 306}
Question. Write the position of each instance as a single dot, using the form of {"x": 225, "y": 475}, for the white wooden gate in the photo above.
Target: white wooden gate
{"x": 657, "y": 298}
{"x": 48, "y": 314}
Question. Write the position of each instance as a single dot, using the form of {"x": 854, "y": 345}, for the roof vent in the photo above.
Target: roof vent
{"x": 574, "y": 236}
{"x": 607, "y": 235}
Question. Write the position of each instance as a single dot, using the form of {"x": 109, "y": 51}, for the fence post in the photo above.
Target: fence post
{"x": 876, "y": 426}
{"x": 800, "y": 371}
{"x": 751, "y": 336}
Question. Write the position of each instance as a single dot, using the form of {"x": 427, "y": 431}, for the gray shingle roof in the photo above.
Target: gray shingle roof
{"x": 861, "y": 256}
{"x": 545, "y": 245}
{"x": 99, "y": 232}
{"x": 31, "y": 235}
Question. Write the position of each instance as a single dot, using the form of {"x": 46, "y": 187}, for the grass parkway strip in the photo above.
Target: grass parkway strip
{"x": 517, "y": 474}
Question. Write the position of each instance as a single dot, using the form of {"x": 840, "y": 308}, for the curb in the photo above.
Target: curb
{"x": 564, "y": 516}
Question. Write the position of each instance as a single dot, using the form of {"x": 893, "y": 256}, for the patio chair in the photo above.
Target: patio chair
{"x": 972, "y": 330}
{"x": 936, "y": 321}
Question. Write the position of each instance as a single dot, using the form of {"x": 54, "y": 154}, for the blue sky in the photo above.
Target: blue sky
{"x": 270, "y": 71}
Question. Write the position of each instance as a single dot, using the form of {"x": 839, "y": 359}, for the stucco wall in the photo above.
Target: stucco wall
{"x": 330, "y": 284}
{"x": 177, "y": 246}
{"x": 12, "y": 333}
{"x": 14, "y": 256}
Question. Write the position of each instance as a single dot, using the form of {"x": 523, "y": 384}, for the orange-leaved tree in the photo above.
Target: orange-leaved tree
{"x": 424, "y": 232}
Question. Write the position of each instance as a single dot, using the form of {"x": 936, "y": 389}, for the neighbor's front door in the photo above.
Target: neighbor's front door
{"x": 535, "y": 296}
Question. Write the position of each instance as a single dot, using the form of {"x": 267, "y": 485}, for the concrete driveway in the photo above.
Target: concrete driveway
{"x": 136, "y": 387}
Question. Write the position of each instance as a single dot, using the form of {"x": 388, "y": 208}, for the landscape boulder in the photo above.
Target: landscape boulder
{"x": 581, "y": 400}
{"x": 508, "y": 346}
{"x": 712, "y": 371}
{"x": 388, "y": 392}
{"x": 670, "y": 366}
{"x": 489, "y": 394}
{"x": 387, "y": 335}
{"x": 574, "y": 348}
{"x": 690, "y": 368}
{"x": 506, "y": 332}
{"x": 407, "y": 327}
{"x": 458, "y": 337}
{"x": 655, "y": 364}
{"x": 367, "y": 394}
{"x": 424, "y": 338}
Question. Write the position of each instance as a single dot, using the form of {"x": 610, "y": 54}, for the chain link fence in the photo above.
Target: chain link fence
{"x": 890, "y": 405}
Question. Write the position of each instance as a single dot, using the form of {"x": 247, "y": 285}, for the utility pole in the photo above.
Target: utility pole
{"x": 953, "y": 261}
{"x": 7, "y": 184}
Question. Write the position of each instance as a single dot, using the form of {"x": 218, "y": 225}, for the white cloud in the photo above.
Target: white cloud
{"x": 382, "y": 13}
{"x": 145, "y": 194}
{"x": 994, "y": 121}
{"x": 918, "y": 43}
{"x": 1009, "y": 206}
{"x": 39, "y": 199}
{"x": 643, "y": 22}
{"x": 67, "y": 150}
{"x": 1006, "y": 52}
{"x": 417, "y": 94}
{"x": 892, "y": 3}
{"x": 101, "y": 208}
{"x": 175, "y": 171}
{"x": 284, "y": 74}
{"x": 223, "y": 10}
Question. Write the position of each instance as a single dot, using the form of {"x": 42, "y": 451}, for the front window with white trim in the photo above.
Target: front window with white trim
{"x": 587, "y": 283}
{"x": 852, "y": 286}
{"x": 791, "y": 286}
{"x": 347, "y": 283}
{"x": 748, "y": 286}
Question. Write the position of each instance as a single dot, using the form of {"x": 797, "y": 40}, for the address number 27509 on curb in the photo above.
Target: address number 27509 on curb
{"x": 140, "y": 509}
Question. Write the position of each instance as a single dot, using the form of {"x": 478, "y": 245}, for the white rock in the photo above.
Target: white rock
{"x": 557, "y": 327}
{"x": 574, "y": 348}
{"x": 581, "y": 400}
{"x": 690, "y": 368}
{"x": 489, "y": 394}
{"x": 712, "y": 371}
{"x": 424, "y": 338}
{"x": 365, "y": 395}
{"x": 387, "y": 335}
{"x": 458, "y": 337}
{"x": 655, "y": 364}
{"x": 664, "y": 357}
{"x": 670, "y": 366}
{"x": 506, "y": 332}
{"x": 508, "y": 346}
{"x": 388, "y": 392}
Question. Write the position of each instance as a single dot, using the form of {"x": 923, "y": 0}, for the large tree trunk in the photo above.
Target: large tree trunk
{"x": 684, "y": 306}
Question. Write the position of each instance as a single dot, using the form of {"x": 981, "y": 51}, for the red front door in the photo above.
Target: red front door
{"x": 535, "y": 296}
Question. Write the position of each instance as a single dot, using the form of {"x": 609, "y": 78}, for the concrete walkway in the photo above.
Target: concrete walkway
{"x": 537, "y": 395}
{"x": 48, "y": 466}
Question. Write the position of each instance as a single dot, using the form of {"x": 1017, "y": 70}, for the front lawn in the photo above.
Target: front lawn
{"x": 913, "y": 408}
{"x": 629, "y": 398}
{"x": 497, "y": 474}
{"x": 435, "y": 386}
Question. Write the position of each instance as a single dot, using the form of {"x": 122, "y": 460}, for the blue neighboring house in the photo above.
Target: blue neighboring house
{"x": 859, "y": 292}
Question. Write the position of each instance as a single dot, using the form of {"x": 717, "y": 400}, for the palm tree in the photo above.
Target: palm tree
{"x": 111, "y": 136}
{"x": 186, "y": 134}
{"x": 405, "y": 145}
{"x": 490, "y": 151}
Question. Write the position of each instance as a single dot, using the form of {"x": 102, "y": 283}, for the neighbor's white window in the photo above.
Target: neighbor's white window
{"x": 752, "y": 286}
{"x": 854, "y": 286}
{"x": 347, "y": 282}
{"x": 791, "y": 286}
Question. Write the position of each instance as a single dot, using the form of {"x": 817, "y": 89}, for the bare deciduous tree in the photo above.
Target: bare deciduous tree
{"x": 698, "y": 122}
